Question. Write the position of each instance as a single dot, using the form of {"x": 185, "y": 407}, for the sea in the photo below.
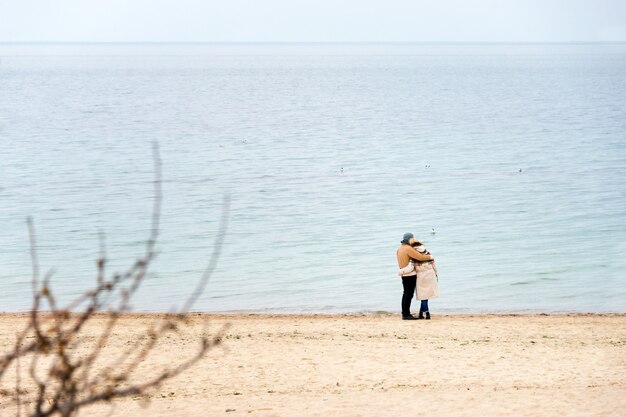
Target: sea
{"x": 508, "y": 161}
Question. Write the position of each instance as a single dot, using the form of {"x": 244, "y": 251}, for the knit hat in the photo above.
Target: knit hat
{"x": 407, "y": 237}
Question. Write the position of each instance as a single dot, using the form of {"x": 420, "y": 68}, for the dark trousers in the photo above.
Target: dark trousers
{"x": 408, "y": 283}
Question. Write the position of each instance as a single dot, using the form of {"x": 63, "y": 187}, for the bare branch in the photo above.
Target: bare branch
{"x": 217, "y": 250}
{"x": 33, "y": 254}
{"x": 61, "y": 372}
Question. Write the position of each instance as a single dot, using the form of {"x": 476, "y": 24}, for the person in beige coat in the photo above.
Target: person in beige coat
{"x": 427, "y": 283}
{"x": 407, "y": 255}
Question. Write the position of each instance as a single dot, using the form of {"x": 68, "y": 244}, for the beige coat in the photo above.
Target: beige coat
{"x": 427, "y": 281}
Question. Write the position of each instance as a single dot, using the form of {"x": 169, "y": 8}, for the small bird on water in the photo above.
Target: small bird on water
{"x": 432, "y": 231}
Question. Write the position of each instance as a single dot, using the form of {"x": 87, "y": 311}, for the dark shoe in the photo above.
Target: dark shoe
{"x": 427, "y": 315}
{"x": 408, "y": 318}
{"x": 421, "y": 316}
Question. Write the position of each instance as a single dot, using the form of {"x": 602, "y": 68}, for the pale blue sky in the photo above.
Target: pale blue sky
{"x": 312, "y": 20}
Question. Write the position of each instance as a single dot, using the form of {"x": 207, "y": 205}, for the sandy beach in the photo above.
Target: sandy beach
{"x": 378, "y": 365}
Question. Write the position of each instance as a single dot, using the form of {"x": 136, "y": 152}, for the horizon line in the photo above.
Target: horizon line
{"x": 304, "y": 42}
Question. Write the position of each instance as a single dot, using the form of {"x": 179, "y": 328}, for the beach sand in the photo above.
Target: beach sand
{"x": 378, "y": 365}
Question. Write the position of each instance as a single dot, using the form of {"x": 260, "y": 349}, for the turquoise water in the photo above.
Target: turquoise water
{"x": 329, "y": 153}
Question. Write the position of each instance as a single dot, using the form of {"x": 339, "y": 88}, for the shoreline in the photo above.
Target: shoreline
{"x": 382, "y": 314}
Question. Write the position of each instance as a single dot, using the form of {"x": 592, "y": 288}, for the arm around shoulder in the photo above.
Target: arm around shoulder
{"x": 419, "y": 256}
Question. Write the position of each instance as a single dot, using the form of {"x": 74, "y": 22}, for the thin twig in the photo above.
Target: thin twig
{"x": 67, "y": 386}
{"x": 217, "y": 250}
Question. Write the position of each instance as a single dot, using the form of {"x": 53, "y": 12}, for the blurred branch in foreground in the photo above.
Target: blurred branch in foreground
{"x": 57, "y": 373}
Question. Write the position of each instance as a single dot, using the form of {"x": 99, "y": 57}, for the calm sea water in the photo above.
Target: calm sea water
{"x": 329, "y": 153}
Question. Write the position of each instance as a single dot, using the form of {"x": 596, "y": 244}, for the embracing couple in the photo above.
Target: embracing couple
{"x": 419, "y": 276}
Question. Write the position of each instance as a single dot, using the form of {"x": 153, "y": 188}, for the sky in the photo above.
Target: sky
{"x": 312, "y": 20}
